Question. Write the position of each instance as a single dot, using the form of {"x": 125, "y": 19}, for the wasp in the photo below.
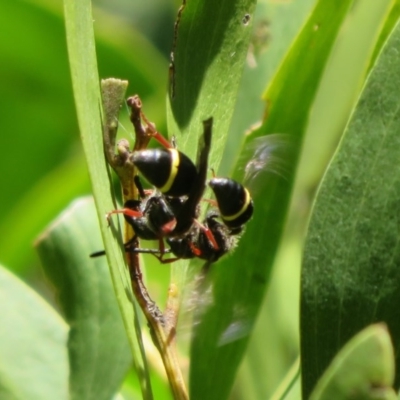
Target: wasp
{"x": 171, "y": 212}
{"x": 209, "y": 239}
{"x": 234, "y": 208}
{"x": 233, "y": 202}
{"x": 175, "y": 176}
{"x": 174, "y": 208}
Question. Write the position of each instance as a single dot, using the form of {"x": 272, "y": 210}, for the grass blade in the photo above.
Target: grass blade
{"x": 81, "y": 50}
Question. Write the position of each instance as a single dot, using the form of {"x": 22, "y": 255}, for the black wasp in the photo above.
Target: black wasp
{"x": 234, "y": 208}
{"x": 172, "y": 212}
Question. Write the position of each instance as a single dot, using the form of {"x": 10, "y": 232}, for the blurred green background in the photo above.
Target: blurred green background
{"x": 42, "y": 164}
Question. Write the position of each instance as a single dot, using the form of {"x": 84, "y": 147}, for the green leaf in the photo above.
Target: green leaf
{"x": 97, "y": 338}
{"x": 339, "y": 89}
{"x": 390, "y": 23}
{"x": 41, "y": 112}
{"x": 337, "y": 93}
{"x": 42, "y": 208}
{"x": 363, "y": 369}
{"x": 240, "y": 281}
{"x": 290, "y": 385}
{"x": 211, "y": 45}
{"x": 82, "y": 57}
{"x": 33, "y": 338}
{"x": 275, "y": 26}
{"x": 350, "y": 271}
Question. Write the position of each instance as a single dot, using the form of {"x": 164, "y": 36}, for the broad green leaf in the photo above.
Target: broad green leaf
{"x": 350, "y": 269}
{"x": 33, "y": 345}
{"x": 82, "y": 57}
{"x": 97, "y": 339}
{"x": 240, "y": 281}
{"x": 363, "y": 369}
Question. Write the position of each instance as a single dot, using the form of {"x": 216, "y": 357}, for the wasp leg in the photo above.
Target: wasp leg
{"x": 209, "y": 235}
{"x": 211, "y": 202}
{"x": 126, "y": 211}
{"x": 127, "y": 247}
{"x": 151, "y": 131}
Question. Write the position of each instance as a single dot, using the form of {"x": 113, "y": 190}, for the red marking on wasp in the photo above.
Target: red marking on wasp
{"x": 168, "y": 227}
{"x": 126, "y": 211}
{"x": 209, "y": 235}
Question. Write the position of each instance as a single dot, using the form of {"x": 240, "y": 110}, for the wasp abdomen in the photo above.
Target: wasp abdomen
{"x": 196, "y": 243}
{"x": 234, "y": 201}
{"x": 169, "y": 170}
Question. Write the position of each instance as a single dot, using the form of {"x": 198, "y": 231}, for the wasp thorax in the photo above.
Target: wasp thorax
{"x": 169, "y": 170}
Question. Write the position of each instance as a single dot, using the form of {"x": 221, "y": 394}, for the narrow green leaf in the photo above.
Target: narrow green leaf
{"x": 33, "y": 339}
{"x": 339, "y": 88}
{"x": 240, "y": 281}
{"x": 275, "y": 26}
{"x": 387, "y": 28}
{"x": 363, "y": 369}
{"x": 211, "y": 45}
{"x": 97, "y": 338}
{"x": 82, "y": 56}
{"x": 350, "y": 272}
{"x": 289, "y": 385}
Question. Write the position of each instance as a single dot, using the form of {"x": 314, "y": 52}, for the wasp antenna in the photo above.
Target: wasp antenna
{"x": 121, "y": 125}
{"x": 97, "y": 254}
{"x": 127, "y": 107}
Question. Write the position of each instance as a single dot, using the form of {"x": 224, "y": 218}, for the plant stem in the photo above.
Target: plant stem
{"x": 163, "y": 328}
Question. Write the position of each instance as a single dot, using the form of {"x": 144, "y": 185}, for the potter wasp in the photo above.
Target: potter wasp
{"x": 171, "y": 212}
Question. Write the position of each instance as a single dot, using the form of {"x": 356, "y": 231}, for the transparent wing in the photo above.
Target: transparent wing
{"x": 198, "y": 297}
{"x": 263, "y": 158}
{"x": 266, "y": 155}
